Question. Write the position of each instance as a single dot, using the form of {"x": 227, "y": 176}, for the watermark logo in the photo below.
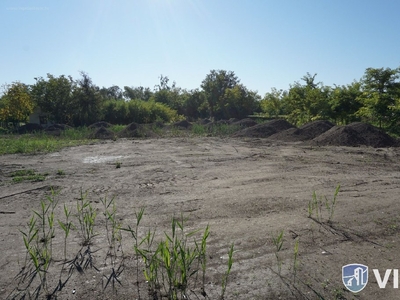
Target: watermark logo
{"x": 355, "y": 277}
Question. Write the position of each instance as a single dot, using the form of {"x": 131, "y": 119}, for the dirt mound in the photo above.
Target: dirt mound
{"x": 355, "y": 134}
{"x": 264, "y": 130}
{"x": 245, "y": 122}
{"x": 340, "y": 136}
{"x": 29, "y": 128}
{"x": 304, "y": 133}
{"x": 183, "y": 124}
{"x": 316, "y": 128}
{"x": 100, "y": 124}
{"x": 103, "y": 133}
{"x": 373, "y": 136}
{"x": 135, "y": 130}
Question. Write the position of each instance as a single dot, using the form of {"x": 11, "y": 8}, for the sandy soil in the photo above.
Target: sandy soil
{"x": 247, "y": 190}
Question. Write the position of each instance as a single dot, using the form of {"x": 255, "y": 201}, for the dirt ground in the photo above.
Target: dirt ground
{"x": 246, "y": 189}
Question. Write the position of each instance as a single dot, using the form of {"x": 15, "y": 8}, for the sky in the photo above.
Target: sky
{"x": 267, "y": 43}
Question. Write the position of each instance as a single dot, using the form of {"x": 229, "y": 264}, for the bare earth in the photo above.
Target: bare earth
{"x": 247, "y": 190}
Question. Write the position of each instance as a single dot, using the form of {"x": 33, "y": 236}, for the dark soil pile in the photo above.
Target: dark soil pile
{"x": 355, "y": 134}
{"x": 29, "y": 128}
{"x": 340, "y": 136}
{"x": 183, "y": 124}
{"x": 103, "y": 133}
{"x": 264, "y": 130}
{"x": 245, "y": 122}
{"x": 100, "y": 124}
{"x": 304, "y": 133}
{"x": 135, "y": 130}
{"x": 373, "y": 136}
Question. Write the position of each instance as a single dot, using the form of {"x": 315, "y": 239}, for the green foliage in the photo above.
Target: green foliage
{"x": 41, "y": 142}
{"x": 87, "y": 102}
{"x": 238, "y": 102}
{"x": 278, "y": 243}
{"x": 317, "y": 203}
{"x": 194, "y": 105}
{"x": 16, "y": 104}
{"x": 139, "y": 93}
{"x": 27, "y": 175}
{"x": 309, "y": 102}
{"x": 138, "y": 111}
{"x": 272, "y": 104}
{"x": 380, "y": 98}
{"x": 344, "y": 103}
{"x": 214, "y": 86}
{"x": 54, "y": 96}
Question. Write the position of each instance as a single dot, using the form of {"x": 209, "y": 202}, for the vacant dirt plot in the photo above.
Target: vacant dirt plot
{"x": 247, "y": 190}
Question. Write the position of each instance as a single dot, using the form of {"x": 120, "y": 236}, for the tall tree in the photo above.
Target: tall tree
{"x": 139, "y": 93}
{"x": 54, "y": 97}
{"x": 238, "y": 102}
{"x": 272, "y": 104}
{"x": 381, "y": 96}
{"x": 88, "y": 101}
{"x": 214, "y": 86}
{"x": 344, "y": 103}
{"x": 113, "y": 92}
{"x": 16, "y": 104}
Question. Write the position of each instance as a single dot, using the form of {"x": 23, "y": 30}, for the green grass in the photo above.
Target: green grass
{"x": 117, "y": 128}
{"x": 42, "y": 142}
{"x": 27, "y": 175}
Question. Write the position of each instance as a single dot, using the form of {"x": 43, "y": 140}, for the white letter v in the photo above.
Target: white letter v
{"x": 382, "y": 283}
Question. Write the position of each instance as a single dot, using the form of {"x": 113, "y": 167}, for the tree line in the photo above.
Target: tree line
{"x": 375, "y": 99}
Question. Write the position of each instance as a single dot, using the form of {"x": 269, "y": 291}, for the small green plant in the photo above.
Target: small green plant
{"x": 27, "y": 175}
{"x": 295, "y": 259}
{"x": 278, "y": 243}
{"x": 86, "y": 215}
{"x": 317, "y": 203}
{"x": 60, "y": 172}
{"x": 228, "y": 271}
{"x": 118, "y": 164}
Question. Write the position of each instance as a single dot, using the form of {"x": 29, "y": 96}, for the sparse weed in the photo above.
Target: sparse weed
{"x": 317, "y": 203}
{"x": 228, "y": 271}
{"x": 171, "y": 265}
{"x": 278, "y": 243}
{"x": 27, "y": 175}
{"x": 86, "y": 215}
{"x": 60, "y": 172}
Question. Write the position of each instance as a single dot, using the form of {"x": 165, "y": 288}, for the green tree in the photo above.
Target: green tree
{"x": 214, "y": 86}
{"x": 139, "y": 93}
{"x": 344, "y": 103}
{"x": 195, "y": 105}
{"x": 87, "y": 100}
{"x": 272, "y": 104}
{"x": 308, "y": 102}
{"x": 113, "y": 92}
{"x": 54, "y": 96}
{"x": 238, "y": 102}
{"x": 380, "y": 97}
{"x": 16, "y": 104}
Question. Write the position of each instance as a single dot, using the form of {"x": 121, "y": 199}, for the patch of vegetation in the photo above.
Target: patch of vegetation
{"x": 171, "y": 263}
{"x": 27, "y": 175}
{"x": 42, "y": 142}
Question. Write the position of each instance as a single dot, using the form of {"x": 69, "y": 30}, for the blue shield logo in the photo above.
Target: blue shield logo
{"x": 355, "y": 277}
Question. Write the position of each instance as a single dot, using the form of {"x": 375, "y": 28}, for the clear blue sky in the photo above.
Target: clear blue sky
{"x": 132, "y": 42}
